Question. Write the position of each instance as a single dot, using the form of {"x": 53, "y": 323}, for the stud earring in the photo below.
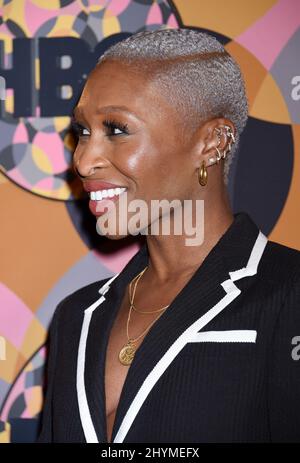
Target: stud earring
{"x": 219, "y": 155}
{"x": 211, "y": 161}
{"x": 202, "y": 174}
{"x": 231, "y": 137}
{"x": 229, "y": 133}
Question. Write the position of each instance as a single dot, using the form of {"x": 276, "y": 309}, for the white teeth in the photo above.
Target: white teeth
{"x": 100, "y": 194}
{"x": 111, "y": 192}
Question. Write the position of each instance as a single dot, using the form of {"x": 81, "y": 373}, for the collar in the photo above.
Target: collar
{"x": 226, "y": 271}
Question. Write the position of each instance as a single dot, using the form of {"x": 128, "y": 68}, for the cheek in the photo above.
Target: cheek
{"x": 155, "y": 165}
{"x": 140, "y": 160}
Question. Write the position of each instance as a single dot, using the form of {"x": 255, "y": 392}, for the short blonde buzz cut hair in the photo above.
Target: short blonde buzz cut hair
{"x": 194, "y": 71}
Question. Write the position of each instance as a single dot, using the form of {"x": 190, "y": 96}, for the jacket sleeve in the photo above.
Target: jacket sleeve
{"x": 45, "y": 435}
{"x": 284, "y": 370}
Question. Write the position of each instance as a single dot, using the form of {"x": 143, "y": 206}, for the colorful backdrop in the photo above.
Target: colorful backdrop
{"x": 48, "y": 242}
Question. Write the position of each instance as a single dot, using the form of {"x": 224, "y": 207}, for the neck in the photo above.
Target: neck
{"x": 171, "y": 259}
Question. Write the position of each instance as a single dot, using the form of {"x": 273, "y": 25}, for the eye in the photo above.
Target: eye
{"x": 79, "y": 129}
{"x": 112, "y": 125}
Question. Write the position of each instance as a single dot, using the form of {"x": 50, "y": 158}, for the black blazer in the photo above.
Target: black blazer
{"x": 221, "y": 364}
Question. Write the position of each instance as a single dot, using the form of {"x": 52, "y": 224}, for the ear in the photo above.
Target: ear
{"x": 215, "y": 140}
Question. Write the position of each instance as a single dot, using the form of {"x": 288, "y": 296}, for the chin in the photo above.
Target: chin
{"x": 118, "y": 229}
{"x": 114, "y": 237}
{"x": 112, "y": 231}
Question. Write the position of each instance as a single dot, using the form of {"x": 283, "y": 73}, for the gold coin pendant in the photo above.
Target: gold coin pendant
{"x": 126, "y": 354}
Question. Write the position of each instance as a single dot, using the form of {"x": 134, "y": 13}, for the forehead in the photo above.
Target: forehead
{"x": 113, "y": 83}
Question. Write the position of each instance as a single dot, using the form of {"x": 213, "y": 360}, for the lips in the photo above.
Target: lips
{"x": 98, "y": 208}
{"x": 96, "y": 185}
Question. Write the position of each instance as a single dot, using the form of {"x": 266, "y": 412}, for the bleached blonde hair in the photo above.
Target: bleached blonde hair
{"x": 194, "y": 71}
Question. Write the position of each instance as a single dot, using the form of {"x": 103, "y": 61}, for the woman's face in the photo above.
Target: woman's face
{"x": 141, "y": 147}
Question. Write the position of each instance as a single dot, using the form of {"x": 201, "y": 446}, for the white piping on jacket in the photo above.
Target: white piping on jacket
{"x": 84, "y": 411}
{"x": 232, "y": 291}
{"x": 225, "y": 336}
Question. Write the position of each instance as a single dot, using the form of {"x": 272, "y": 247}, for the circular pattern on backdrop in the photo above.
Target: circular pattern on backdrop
{"x": 43, "y": 166}
{"x": 266, "y": 150}
{"x": 23, "y": 406}
{"x": 36, "y": 152}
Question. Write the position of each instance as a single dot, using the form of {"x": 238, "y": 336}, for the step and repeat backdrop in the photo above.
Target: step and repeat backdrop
{"x": 49, "y": 246}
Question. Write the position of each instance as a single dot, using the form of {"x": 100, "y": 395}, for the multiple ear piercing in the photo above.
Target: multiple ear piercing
{"x": 202, "y": 171}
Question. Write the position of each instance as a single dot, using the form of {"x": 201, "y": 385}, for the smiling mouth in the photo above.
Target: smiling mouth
{"x": 101, "y": 200}
{"x": 106, "y": 193}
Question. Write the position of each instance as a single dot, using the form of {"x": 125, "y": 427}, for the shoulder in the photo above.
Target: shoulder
{"x": 283, "y": 366}
{"x": 281, "y": 263}
{"x": 280, "y": 277}
{"x": 72, "y": 307}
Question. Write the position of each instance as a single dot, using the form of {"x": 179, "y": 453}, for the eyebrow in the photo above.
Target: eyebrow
{"x": 109, "y": 109}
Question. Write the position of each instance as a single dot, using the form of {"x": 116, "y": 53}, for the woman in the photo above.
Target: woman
{"x": 189, "y": 343}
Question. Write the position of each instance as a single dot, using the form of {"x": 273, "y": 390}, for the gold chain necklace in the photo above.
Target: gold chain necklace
{"x": 128, "y": 351}
{"x": 132, "y": 298}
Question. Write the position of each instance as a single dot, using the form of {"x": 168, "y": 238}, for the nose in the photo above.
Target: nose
{"x": 86, "y": 164}
{"x": 92, "y": 171}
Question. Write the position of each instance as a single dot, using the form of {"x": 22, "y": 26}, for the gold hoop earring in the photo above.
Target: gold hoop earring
{"x": 202, "y": 174}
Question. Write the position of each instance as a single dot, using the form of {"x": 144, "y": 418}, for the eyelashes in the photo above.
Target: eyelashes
{"x": 109, "y": 124}
{"x": 78, "y": 129}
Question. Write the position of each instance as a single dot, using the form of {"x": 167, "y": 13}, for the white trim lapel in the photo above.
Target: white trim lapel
{"x": 158, "y": 350}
